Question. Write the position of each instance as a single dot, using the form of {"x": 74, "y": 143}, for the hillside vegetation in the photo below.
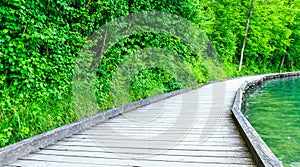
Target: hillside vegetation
{"x": 40, "y": 40}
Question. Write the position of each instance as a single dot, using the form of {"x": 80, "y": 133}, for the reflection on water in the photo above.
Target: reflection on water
{"x": 273, "y": 109}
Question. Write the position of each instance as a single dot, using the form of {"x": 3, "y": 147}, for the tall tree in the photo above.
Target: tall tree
{"x": 246, "y": 32}
{"x": 294, "y": 26}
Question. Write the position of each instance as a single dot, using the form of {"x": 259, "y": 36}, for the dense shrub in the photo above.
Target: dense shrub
{"x": 39, "y": 45}
{"x": 40, "y": 40}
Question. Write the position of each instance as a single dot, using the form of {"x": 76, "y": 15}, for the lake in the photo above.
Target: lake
{"x": 273, "y": 109}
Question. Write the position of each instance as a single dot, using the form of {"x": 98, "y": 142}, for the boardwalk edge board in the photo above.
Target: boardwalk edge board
{"x": 12, "y": 152}
{"x": 262, "y": 154}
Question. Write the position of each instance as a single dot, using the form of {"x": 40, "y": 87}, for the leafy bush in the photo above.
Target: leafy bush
{"x": 39, "y": 45}
{"x": 40, "y": 40}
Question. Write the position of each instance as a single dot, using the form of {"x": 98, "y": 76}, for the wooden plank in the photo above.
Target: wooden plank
{"x": 200, "y": 153}
{"x": 188, "y": 134}
{"x": 167, "y": 158}
{"x": 37, "y": 163}
{"x": 149, "y": 150}
{"x": 218, "y": 130}
{"x": 122, "y": 122}
{"x": 42, "y": 163}
{"x": 189, "y": 138}
{"x": 132, "y": 136}
{"x": 217, "y": 146}
{"x": 231, "y": 142}
{"x": 167, "y": 118}
{"x": 138, "y": 162}
{"x": 217, "y": 133}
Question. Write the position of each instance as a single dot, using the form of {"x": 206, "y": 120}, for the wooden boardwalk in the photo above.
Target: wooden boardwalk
{"x": 158, "y": 135}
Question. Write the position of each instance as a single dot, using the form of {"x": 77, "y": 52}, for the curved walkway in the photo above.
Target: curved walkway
{"x": 153, "y": 136}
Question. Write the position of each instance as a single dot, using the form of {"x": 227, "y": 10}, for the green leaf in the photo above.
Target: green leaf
{"x": 5, "y": 31}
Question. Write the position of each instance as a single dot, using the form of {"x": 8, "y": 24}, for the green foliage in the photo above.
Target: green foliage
{"x": 21, "y": 119}
{"x": 273, "y": 34}
{"x": 39, "y": 45}
{"x": 40, "y": 40}
{"x": 293, "y": 51}
{"x": 149, "y": 80}
{"x": 269, "y": 26}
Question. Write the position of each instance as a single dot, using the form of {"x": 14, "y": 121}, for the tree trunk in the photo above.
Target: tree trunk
{"x": 281, "y": 63}
{"x": 292, "y": 65}
{"x": 246, "y": 32}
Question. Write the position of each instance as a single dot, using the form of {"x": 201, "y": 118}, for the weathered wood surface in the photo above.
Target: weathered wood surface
{"x": 147, "y": 136}
{"x": 12, "y": 152}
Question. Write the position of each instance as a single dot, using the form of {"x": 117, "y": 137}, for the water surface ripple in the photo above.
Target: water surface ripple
{"x": 273, "y": 109}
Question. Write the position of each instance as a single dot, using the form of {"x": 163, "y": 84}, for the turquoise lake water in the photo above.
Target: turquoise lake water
{"x": 273, "y": 109}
